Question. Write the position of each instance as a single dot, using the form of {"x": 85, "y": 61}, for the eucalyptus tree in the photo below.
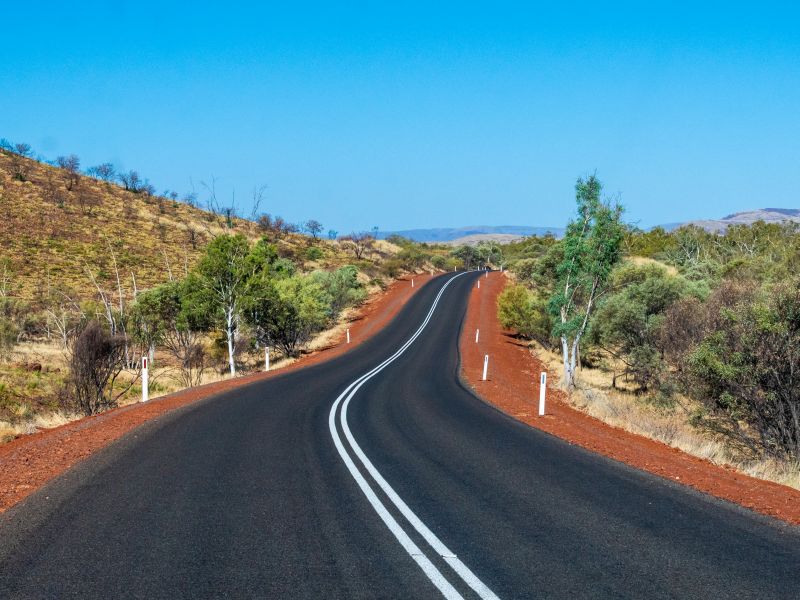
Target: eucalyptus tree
{"x": 224, "y": 272}
{"x": 490, "y": 252}
{"x": 175, "y": 316}
{"x": 468, "y": 255}
{"x": 591, "y": 248}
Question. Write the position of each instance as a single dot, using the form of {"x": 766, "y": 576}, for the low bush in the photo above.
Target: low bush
{"x": 97, "y": 358}
{"x": 314, "y": 253}
{"x": 520, "y": 309}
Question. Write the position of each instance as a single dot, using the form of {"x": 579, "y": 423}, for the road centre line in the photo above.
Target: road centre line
{"x": 433, "y": 573}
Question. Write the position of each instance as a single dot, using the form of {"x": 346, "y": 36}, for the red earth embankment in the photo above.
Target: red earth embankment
{"x": 513, "y": 387}
{"x": 28, "y": 462}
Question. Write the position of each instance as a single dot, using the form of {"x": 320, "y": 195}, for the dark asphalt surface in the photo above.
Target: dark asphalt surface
{"x": 245, "y": 495}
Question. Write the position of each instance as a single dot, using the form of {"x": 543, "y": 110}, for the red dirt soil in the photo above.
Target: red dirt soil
{"x": 30, "y": 461}
{"x": 513, "y": 387}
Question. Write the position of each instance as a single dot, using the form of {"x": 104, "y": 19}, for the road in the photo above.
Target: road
{"x": 325, "y": 484}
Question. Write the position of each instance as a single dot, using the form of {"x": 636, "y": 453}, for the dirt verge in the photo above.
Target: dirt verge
{"x": 30, "y": 461}
{"x": 513, "y": 387}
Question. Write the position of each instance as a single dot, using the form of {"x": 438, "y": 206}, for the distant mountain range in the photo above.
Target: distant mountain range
{"x": 748, "y": 217}
{"x": 474, "y": 233}
{"x": 509, "y": 233}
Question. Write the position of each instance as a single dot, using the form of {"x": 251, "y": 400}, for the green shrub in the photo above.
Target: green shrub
{"x": 439, "y": 262}
{"x": 392, "y": 267}
{"x": 341, "y": 286}
{"x": 521, "y": 310}
{"x": 628, "y": 324}
{"x": 314, "y": 253}
{"x": 303, "y": 307}
{"x": 745, "y": 370}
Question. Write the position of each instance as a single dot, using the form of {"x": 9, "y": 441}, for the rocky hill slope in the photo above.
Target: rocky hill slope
{"x": 63, "y": 233}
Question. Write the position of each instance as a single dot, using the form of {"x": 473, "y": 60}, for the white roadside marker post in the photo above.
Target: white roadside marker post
{"x": 485, "y": 367}
{"x": 487, "y": 272}
{"x": 412, "y": 282}
{"x": 266, "y": 358}
{"x": 479, "y": 284}
{"x": 477, "y": 335}
{"x": 542, "y": 390}
{"x": 145, "y": 380}
{"x": 348, "y": 335}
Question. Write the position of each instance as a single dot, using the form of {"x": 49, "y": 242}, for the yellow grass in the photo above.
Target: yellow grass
{"x": 641, "y": 260}
{"x": 48, "y": 420}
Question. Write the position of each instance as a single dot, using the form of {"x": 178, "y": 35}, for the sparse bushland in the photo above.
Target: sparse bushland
{"x": 201, "y": 291}
{"x": 620, "y": 405}
{"x": 694, "y": 340}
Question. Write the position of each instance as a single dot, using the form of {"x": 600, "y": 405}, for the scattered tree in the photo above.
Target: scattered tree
{"x": 71, "y": 166}
{"x": 313, "y": 228}
{"x": 131, "y": 181}
{"x": 104, "y": 172}
{"x": 275, "y": 228}
{"x": 20, "y": 167}
{"x": 23, "y": 149}
{"x": 224, "y": 273}
{"x": 468, "y": 255}
{"x": 358, "y": 243}
{"x": 591, "y": 244}
{"x": 174, "y": 316}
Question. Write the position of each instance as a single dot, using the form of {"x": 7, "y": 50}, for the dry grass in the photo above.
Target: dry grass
{"x": 670, "y": 425}
{"x": 641, "y": 260}
{"x": 47, "y": 353}
{"x": 51, "y": 237}
{"x": 48, "y": 420}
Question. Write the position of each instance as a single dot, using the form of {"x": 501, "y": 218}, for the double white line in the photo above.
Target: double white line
{"x": 433, "y": 573}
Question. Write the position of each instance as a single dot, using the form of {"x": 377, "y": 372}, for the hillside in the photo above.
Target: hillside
{"x": 62, "y": 233}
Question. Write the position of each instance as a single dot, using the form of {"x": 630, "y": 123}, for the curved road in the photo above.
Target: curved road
{"x": 378, "y": 475}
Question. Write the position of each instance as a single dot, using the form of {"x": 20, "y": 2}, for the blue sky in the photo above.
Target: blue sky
{"x": 415, "y": 115}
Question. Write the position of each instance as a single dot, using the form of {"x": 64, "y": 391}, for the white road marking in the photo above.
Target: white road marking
{"x": 413, "y": 550}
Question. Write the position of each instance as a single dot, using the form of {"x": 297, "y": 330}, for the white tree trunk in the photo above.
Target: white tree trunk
{"x": 570, "y": 357}
{"x": 229, "y": 335}
{"x": 569, "y": 373}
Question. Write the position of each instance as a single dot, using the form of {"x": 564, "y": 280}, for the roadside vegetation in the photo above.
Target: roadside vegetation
{"x": 98, "y": 268}
{"x": 689, "y": 337}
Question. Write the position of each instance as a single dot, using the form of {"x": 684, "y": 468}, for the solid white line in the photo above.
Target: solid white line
{"x": 444, "y": 586}
{"x": 430, "y": 570}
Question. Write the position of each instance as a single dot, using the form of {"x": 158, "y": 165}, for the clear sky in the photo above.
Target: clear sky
{"x": 419, "y": 115}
